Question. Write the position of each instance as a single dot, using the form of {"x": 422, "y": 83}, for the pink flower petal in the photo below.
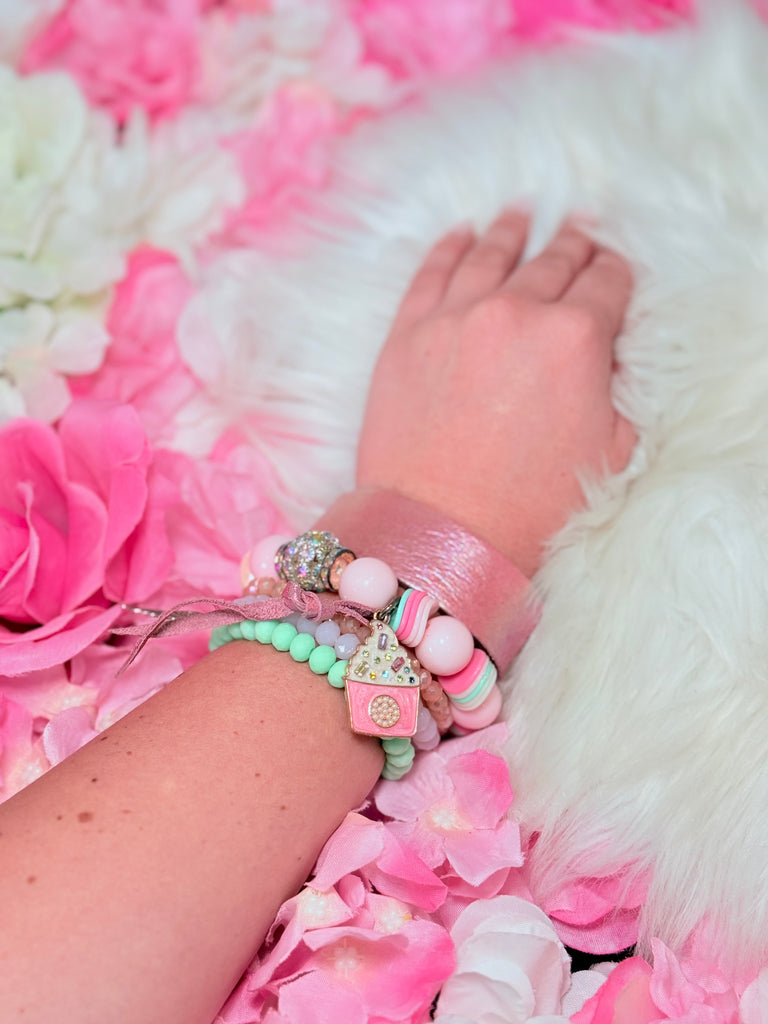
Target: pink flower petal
{"x": 754, "y": 1000}
{"x": 356, "y": 842}
{"x": 478, "y": 854}
{"x": 311, "y": 997}
{"x": 106, "y": 450}
{"x": 400, "y": 872}
{"x": 483, "y": 790}
{"x": 66, "y": 733}
{"x": 625, "y": 997}
{"x": 671, "y": 990}
{"x": 55, "y": 642}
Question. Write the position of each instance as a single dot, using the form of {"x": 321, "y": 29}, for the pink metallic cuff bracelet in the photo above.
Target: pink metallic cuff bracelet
{"x": 472, "y": 580}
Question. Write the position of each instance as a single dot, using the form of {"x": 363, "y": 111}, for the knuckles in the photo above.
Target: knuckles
{"x": 507, "y": 315}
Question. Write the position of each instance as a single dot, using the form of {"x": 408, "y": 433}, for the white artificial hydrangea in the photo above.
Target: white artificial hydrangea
{"x": 37, "y": 347}
{"x": 77, "y": 194}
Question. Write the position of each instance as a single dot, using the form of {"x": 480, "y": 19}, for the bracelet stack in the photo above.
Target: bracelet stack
{"x": 410, "y": 672}
{"x": 395, "y": 639}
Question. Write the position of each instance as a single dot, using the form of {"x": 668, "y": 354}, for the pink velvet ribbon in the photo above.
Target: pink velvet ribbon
{"x": 179, "y": 619}
{"x": 428, "y": 551}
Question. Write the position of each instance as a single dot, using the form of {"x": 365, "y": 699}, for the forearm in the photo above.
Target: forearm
{"x": 184, "y": 826}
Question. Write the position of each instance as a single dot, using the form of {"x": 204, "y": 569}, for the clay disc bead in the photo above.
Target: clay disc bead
{"x": 446, "y": 647}
{"x": 479, "y": 718}
{"x": 369, "y": 582}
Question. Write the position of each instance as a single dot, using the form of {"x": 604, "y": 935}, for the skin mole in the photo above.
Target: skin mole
{"x": 85, "y": 816}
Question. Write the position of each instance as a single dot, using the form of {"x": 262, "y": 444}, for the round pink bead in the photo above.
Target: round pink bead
{"x": 478, "y": 718}
{"x": 246, "y": 576}
{"x": 368, "y": 581}
{"x": 262, "y": 556}
{"x": 446, "y": 647}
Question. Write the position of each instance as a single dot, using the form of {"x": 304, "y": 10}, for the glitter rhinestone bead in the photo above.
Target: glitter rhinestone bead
{"x": 308, "y": 559}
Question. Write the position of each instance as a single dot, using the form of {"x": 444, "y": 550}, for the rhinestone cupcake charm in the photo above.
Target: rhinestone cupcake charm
{"x": 382, "y": 688}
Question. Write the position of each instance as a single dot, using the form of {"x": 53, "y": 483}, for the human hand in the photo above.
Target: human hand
{"x": 492, "y": 391}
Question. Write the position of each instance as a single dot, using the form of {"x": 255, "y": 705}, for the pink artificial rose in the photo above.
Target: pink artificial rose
{"x": 287, "y": 152}
{"x": 124, "y": 53}
{"x": 69, "y": 500}
{"x": 547, "y": 20}
{"x": 413, "y": 37}
{"x": 142, "y": 365}
{"x": 74, "y": 506}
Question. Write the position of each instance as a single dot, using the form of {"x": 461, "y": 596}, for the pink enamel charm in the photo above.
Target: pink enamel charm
{"x": 382, "y": 688}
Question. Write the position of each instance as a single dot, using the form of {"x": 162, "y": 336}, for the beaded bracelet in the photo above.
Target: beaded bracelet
{"x": 321, "y": 658}
{"x": 464, "y": 694}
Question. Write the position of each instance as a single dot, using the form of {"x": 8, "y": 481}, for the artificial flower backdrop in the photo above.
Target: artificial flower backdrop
{"x": 146, "y": 147}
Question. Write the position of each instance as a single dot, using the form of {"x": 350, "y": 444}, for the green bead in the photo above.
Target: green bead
{"x": 282, "y": 636}
{"x": 302, "y": 646}
{"x": 322, "y": 659}
{"x": 219, "y": 637}
{"x": 336, "y": 674}
{"x": 264, "y": 630}
{"x": 396, "y": 744}
{"x": 248, "y": 629}
{"x": 235, "y": 630}
{"x": 403, "y": 760}
{"x": 391, "y": 772}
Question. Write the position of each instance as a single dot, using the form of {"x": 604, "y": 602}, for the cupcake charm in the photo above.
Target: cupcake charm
{"x": 382, "y": 689}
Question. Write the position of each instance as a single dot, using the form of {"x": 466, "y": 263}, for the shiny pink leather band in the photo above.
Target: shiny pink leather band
{"x": 428, "y": 551}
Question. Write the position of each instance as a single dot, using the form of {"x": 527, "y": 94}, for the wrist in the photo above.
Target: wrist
{"x": 427, "y": 550}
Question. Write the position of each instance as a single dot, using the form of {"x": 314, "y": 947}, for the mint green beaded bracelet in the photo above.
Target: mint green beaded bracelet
{"x": 302, "y": 647}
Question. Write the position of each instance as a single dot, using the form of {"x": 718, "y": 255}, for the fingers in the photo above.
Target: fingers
{"x": 547, "y": 276}
{"x": 431, "y": 282}
{"x": 603, "y": 289}
{"x": 487, "y": 263}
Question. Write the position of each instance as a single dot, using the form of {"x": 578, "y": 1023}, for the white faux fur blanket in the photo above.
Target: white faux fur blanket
{"x": 639, "y": 709}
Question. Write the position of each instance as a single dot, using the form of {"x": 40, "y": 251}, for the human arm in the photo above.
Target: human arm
{"x": 139, "y": 877}
{"x": 154, "y": 885}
